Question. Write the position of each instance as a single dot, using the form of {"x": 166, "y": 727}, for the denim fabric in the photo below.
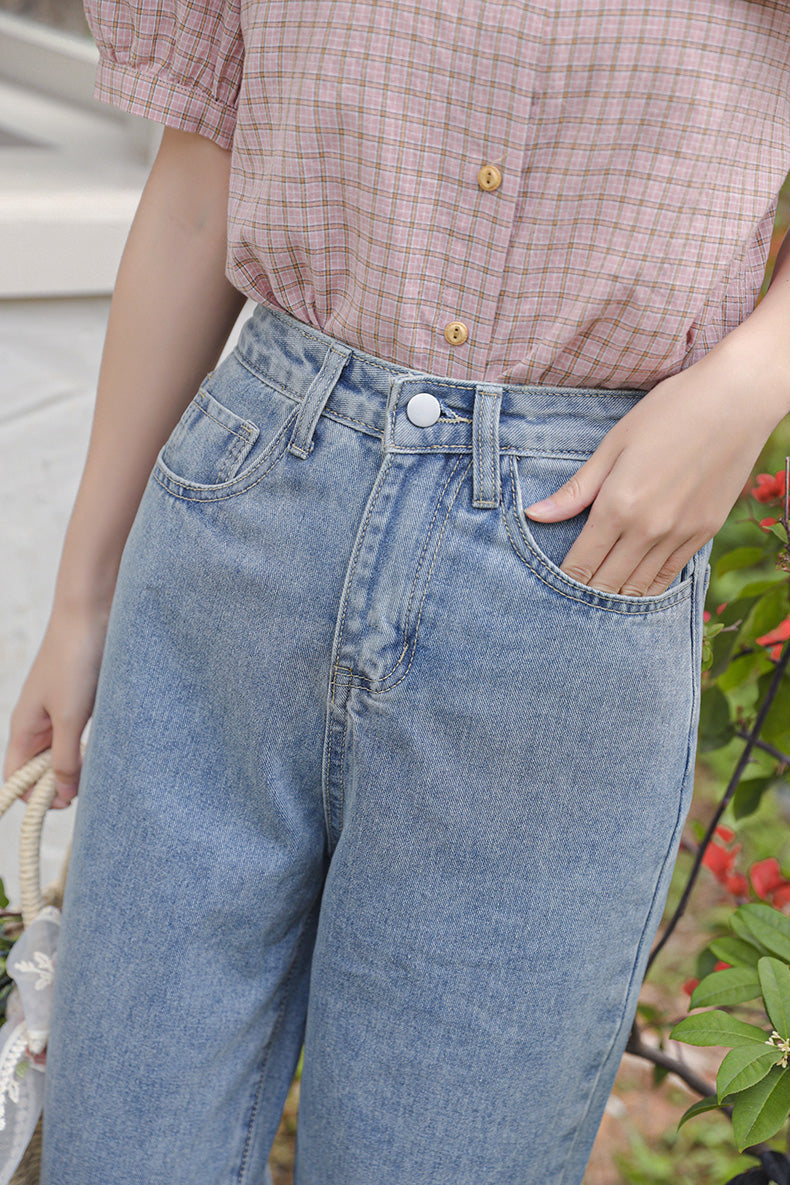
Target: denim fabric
{"x": 366, "y": 769}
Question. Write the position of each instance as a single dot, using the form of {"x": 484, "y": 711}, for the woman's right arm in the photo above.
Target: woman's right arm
{"x": 171, "y": 312}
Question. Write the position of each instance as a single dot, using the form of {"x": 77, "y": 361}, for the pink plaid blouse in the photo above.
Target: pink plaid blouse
{"x": 578, "y": 192}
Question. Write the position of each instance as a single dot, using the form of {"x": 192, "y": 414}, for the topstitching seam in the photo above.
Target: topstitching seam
{"x": 245, "y": 430}
{"x": 366, "y": 683}
{"x": 233, "y": 492}
{"x": 333, "y": 679}
{"x": 418, "y": 568}
{"x": 638, "y": 607}
{"x": 690, "y": 751}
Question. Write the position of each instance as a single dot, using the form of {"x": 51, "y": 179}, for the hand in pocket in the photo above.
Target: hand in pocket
{"x": 660, "y": 484}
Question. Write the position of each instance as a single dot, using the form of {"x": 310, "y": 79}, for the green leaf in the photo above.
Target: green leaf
{"x": 769, "y": 610}
{"x": 735, "y": 951}
{"x": 758, "y": 588}
{"x": 744, "y": 1066}
{"x": 777, "y": 529}
{"x": 3, "y": 898}
{"x": 776, "y": 729}
{"x": 705, "y": 963}
{"x": 769, "y": 926}
{"x": 733, "y": 985}
{"x": 775, "y": 985}
{"x": 736, "y": 610}
{"x": 715, "y": 726}
{"x": 707, "y": 1104}
{"x": 747, "y": 798}
{"x": 760, "y": 1111}
{"x": 741, "y": 557}
{"x": 744, "y": 669}
{"x": 738, "y": 926}
{"x": 649, "y": 1011}
{"x": 716, "y": 1028}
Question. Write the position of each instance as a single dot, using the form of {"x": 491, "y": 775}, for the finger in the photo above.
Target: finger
{"x": 672, "y": 567}
{"x": 600, "y": 534}
{"x": 632, "y": 571}
{"x": 614, "y": 573}
{"x": 66, "y": 763}
{"x": 577, "y": 492}
{"x": 659, "y": 567}
{"x": 26, "y": 740}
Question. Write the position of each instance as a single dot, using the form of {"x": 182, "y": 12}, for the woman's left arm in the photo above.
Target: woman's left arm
{"x": 664, "y": 478}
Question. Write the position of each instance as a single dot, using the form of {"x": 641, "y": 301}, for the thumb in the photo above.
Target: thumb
{"x": 572, "y": 496}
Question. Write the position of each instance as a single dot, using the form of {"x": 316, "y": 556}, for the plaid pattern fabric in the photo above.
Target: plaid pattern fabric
{"x": 641, "y": 149}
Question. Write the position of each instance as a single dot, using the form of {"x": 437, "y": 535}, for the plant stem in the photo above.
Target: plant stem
{"x": 752, "y": 738}
{"x": 777, "y": 753}
{"x": 658, "y": 1057}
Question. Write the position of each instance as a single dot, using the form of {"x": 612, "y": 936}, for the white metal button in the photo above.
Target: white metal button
{"x": 423, "y": 409}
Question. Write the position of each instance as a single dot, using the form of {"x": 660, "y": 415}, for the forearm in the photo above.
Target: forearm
{"x": 170, "y": 315}
{"x": 755, "y": 357}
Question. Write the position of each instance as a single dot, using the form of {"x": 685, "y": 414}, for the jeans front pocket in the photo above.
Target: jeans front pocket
{"x": 542, "y": 546}
{"x": 209, "y": 443}
{"x": 231, "y": 434}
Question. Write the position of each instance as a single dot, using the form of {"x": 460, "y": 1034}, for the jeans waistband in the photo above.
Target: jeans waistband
{"x": 483, "y": 418}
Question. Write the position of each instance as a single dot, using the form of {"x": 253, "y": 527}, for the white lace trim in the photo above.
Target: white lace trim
{"x": 13, "y": 1058}
{"x": 31, "y": 964}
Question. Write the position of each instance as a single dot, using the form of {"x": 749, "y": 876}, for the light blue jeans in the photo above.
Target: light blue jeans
{"x": 367, "y": 771}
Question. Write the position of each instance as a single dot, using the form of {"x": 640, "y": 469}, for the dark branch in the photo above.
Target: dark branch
{"x": 777, "y": 753}
{"x": 658, "y": 1057}
{"x": 752, "y": 738}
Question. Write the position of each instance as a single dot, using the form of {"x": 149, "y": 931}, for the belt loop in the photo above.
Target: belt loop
{"x": 314, "y": 401}
{"x": 486, "y": 486}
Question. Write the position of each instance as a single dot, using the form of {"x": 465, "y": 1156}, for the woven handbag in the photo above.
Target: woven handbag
{"x": 30, "y": 962}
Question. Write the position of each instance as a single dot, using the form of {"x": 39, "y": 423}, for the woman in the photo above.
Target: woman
{"x": 384, "y": 756}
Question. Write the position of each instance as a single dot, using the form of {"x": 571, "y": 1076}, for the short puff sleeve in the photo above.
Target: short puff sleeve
{"x": 178, "y": 62}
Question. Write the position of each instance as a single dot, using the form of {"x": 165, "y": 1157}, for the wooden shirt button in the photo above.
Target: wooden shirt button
{"x": 456, "y": 333}
{"x": 489, "y": 177}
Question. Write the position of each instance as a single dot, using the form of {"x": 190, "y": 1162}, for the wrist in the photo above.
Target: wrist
{"x": 753, "y": 371}
{"x": 84, "y": 592}
{"x": 756, "y": 354}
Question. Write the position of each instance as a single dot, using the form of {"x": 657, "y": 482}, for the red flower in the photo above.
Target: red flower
{"x": 766, "y": 876}
{"x": 705, "y": 615}
{"x": 737, "y": 884}
{"x": 719, "y": 860}
{"x": 768, "y": 882}
{"x": 689, "y": 985}
{"x": 720, "y": 965}
{"x": 765, "y": 523}
{"x": 779, "y": 634}
{"x": 775, "y": 637}
{"x": 769, "y": 487}
{"x": 720, "y": 608}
